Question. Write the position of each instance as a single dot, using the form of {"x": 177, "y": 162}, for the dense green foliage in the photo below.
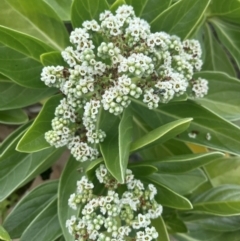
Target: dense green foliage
{"x": 197, "y": 178}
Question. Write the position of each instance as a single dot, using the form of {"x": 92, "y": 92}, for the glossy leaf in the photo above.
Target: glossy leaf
{"x": 116, "y": 146}
{"x": 27, "y": 17}
{"x": 224, "y": 171}
{"x": 45, "y": 226}
{"x": 17, "y": 168}
{"x": 87, "y": 10}
{"x": 61, "y": 7}
{"x": 13, "y": 117}
{"x": 222, "y": 200}
{"x": 167, "y": 197}
{"x": 181, "y": 183}
{"x": 181, "y": 18}
{"x": 53, "y": 58}
{"x": 228, "y": 34}
{"x": 216, "y": 58}
{"x": 67, "y": 186}
{"x": 184, "y": 163}
{"x": 4, "y": 234}
{"x": 161, "y": 134}
{"x": 224, "y": 135}
{"x": 29, "y": 207}
{"x": 221, "y": 86}
{"x": 161, "y": 229}
{"x": 33, "y": 140}
{"x": 148, "y": 9}
{"x": 14, "y": 96}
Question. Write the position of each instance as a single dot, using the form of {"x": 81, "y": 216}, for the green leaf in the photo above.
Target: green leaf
{"x": 176, "y": 225}
{"x": 222, "y": 200}
{"x": 14, "y": 96}
{"x": 161, "y": 229}
{"x": 60, "y": 239}
{"x": 224, "y": 171}
{"x": 148, "y": 9}
{"x": 216, "y": 57}
{"x": 116, "y": 146}
{"x": 181, "y": 18}
{"x": 181, "y": 183}
{"x": 116, "y": 4}
{"x": 27, "y": 17}
{"x": 61, "y": 7}
{"x": 53, "y": 58}
{"x": 228, "y": 34}
{"x": 184, "y": 163}
{"x": 45, "y": 226}
{"x": 87, "y": 10}
{"x": 33, "y": 140}
{"x": 161, "y": 134}
{"x": 13, "y": 117}
{"x": 214, "y": 223}
{"x": 221, "y": 87}
{"x": 90, "y": 170}
{"x": 23, "y": 43}
{"x": 226, "y": 9}
{"x": 4, "y": 235}
{"x": 20, "y": 68}
{"x": 198, "y": 234}
{"x": 168, "y": 197}
{"x": 224, "y": 135}
{"x": 124, "y": 139}
{"x": 67, "y": 186}
{"x": 30, "y": 207}
{"x": 169, "y": 148}
{"x": 140, "y": 169}
{"x": 12, "y": 137}
{"x": 20, "y": 57}
{"x": 110, "y": 2}
{"x": 17, "y": 168}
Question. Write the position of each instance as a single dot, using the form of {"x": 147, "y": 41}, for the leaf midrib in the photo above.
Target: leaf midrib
{"x": 36, "y": 27}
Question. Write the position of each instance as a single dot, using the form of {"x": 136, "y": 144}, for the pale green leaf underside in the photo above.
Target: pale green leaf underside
{"x": 29, "y": 207}
{"x": 45, "y": 226}
{"x": 222, "y": 200}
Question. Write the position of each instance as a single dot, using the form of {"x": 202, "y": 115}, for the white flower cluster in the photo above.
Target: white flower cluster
{"x": 199, "y": 87}
{"x": 111, "y": 217}
{"x": 132, "y": 62}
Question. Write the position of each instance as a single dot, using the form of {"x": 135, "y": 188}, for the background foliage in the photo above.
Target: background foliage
{"x": 197, "y": 179}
